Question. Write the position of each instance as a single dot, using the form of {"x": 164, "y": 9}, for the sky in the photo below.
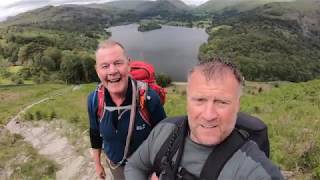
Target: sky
{"x": 14, "y": 7}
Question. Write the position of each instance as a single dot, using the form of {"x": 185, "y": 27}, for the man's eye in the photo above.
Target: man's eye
{"x": 221, "y": 102}
{"x": 105, "y": 66}
{"x": 118, "y": 63}
{"x": 200, "y": 100}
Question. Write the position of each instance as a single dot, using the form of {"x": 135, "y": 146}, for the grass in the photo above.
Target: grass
{"x": 292, "y": 114}
{"x": 15, "y": 97}
{"x": 71, "y": 106}
{"x": 291, "y": 111}
{"x": 20, "y": 161}
{"x": 14, "y": 69}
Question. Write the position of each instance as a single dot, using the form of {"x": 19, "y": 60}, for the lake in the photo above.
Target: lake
{"x": 172, "y": 50}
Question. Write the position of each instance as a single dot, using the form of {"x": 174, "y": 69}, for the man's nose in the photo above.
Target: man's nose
{"x": 112, "y": 69}
{"x": 210, "y": 112}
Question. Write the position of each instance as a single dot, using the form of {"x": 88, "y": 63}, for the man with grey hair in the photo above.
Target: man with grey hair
{"x": 208, "y": 133}
{"x": 118, "y": 129}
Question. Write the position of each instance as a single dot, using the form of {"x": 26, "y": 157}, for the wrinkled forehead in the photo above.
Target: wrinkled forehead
{"x": 222, "y": 79}
{"x": 214, "y": 76}
{"x": 112, "y": 53}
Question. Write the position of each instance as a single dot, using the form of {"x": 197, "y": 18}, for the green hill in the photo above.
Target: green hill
{"x": 67, "y": 18}
{"x": 218, "y": 6}
{"x": 276, "y": 41}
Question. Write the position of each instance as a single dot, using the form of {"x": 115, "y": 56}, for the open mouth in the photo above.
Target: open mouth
{"x": 209, "y": 126}
{"x": 114, "y": 80}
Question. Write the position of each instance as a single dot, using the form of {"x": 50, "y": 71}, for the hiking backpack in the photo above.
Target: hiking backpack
{"x": 143, "y": 77}
{"x": 247, "y": 128}
{"x": 144, "y": 74}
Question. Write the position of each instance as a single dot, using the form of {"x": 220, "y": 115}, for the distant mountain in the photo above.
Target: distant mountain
{"x": 121, "y": 5}
{"x": 62, "y": 17}
{"x": 95, "y": 16}
{"x": 140, "y": 5}
{"x": 218, "y": 6}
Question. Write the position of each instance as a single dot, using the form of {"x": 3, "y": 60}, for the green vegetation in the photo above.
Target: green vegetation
{"x": 269, "y": 43}
{"x": 163, "y": 80}
{"x": 15, "y": 97}
{"x": 18, "y": 160}
{"x": 71, "y": 106}
{"x": 290, "y": 110}
{"x": 292, "y": 114}
{"x": 148, "y": 26}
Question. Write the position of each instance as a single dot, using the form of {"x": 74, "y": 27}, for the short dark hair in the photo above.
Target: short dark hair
{"x": 217, "y": 66}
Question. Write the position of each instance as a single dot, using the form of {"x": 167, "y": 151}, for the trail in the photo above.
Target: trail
{"x": 47, "y": 138}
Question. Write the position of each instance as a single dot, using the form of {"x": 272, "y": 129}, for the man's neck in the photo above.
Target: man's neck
{"x": 119, "y": 98}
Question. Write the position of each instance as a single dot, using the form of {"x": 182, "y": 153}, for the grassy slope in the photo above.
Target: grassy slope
{"x": 15, "y": 98}
{"x": 19, "y": 158}
{"x": 291, "y": 111}
{"x": 16, "y": 155}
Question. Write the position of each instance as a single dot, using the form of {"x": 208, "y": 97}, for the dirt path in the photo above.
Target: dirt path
{"x": 47, "y": 138}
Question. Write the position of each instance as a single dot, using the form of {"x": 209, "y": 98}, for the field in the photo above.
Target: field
{"x": 291, "y": 111}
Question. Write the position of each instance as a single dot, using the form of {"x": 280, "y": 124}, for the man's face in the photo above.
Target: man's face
{"x": 113, "y": 69}
{"x": 212, "y": 107}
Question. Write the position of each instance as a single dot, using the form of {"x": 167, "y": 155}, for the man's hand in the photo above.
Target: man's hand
{"x": 154, "y": 177}
{"x": 100, "y": 172}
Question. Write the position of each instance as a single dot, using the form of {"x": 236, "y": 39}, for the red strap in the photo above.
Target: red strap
{"x": 143, "y": 109}
{"x": 100, "y": 92}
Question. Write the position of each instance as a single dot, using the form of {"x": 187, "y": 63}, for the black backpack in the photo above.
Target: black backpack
{"x": 247, "y": 128}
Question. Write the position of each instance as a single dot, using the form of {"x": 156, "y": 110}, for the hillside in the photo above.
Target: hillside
{"x": 121, "y": 5}
{"x": 67, "y": 18}
{"x": 276, "y": 41}
{"x": 219, "y": 6}
{"x": 291, "y": 111}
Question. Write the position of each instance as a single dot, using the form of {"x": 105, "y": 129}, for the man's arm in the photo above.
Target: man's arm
{"x": 95, "y": 139}
{"x": 140, "y": 164}
{"x": 97, "y": 162}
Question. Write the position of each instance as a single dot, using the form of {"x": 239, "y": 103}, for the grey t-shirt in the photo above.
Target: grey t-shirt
{"x": 247, "y": 163}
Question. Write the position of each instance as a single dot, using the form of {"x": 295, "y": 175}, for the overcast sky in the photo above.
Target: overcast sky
{"x": 13, "y": 7}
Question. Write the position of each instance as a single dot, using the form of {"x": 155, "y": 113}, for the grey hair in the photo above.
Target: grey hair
{"x": 216, "y": 67}
{"x": 110, "y": 43}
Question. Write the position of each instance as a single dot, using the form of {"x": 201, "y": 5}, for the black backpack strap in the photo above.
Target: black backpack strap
{"x": 257, "y": 130}
{"x": 221, "y": 154}
{"x": 170, "y": 145}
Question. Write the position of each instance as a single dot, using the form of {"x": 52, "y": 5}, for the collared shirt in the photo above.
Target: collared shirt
{"x": 113, "y": 129}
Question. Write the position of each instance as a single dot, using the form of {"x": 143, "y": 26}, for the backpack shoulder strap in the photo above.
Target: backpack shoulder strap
{"x": 170, "y": 145}
{"x": 142, "y": 102}
{"x": 257, "y": 130}
{"x": 222, "y": 153}
{"x": 100, "y": 97}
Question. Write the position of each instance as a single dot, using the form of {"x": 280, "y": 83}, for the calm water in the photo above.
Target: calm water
{"x": 172, "y": 50}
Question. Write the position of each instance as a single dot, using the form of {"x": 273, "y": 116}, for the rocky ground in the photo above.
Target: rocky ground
{"x": 49, "y": 139}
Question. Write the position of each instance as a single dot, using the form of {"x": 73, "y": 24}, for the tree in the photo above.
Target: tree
{"x": 90, "y": 74}
{"x": 71, "y": 68}
{"x": 55, "y": 54}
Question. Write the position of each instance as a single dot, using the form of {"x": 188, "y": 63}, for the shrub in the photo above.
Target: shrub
{"x": 17, "y": 80}
{"x": 38, "y": 115}
{"x": 163, "y": 80}
{"x": 53, "y": 115}
{"x": 28, "y": 116}
{"x": 74, "y": 119}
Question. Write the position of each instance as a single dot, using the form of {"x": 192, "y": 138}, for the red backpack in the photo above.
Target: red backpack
{"x": 144, "y": 73}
